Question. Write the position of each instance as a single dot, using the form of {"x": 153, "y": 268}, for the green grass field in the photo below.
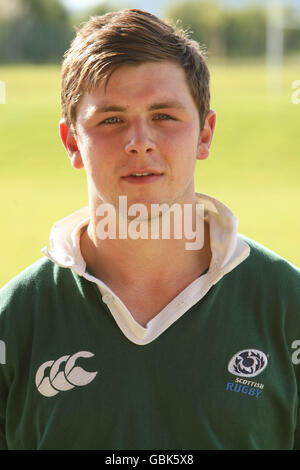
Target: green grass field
{"x": 254, "y": 165}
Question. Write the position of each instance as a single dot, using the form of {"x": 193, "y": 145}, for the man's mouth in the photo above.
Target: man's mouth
{"x": 141, "y": 174}
{"x": 142, "y": 177}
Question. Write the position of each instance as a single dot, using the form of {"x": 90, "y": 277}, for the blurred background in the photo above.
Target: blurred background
{"x": 253, "y": 50}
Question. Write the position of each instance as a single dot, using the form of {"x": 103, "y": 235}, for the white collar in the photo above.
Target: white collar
{"x": 228, "y": 250}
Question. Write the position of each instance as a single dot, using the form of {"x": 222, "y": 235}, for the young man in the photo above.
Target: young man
{"x": 121, "y": 340}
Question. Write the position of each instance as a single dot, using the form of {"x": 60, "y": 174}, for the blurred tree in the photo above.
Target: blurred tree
{"x": 204, "y": 19}
{"x": 292, "y": 30}
{"x": 232, "y": 32}
{"x": 292, "y": 40}
{"x": 38, "y": 32}
{"x": 82, "y": 16}
{"x": 245, "y": 31}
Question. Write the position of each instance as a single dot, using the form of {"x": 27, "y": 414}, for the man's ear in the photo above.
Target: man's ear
{"x": 70, "y": 144}
{"x": 206, "y": 135}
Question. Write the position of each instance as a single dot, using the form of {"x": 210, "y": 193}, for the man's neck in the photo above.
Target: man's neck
{"x": 133, "y": 262}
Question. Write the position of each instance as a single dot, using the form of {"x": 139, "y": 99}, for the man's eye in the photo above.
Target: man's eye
{"x": 111, "y": 120}
{"x": 162, "y": 117}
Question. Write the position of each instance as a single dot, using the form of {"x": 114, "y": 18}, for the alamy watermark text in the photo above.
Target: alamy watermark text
{"x": 136, "y": 222}
{"x": 296, "y": 94}
{"x": 2, "y": 352}
{"x": 2, "y": 92}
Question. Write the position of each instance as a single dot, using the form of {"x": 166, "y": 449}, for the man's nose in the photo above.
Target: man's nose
{"x": 139, "y": 140}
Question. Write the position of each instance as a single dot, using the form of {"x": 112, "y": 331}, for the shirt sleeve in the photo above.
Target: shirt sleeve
{"x": 3, "y": 377}
{"x": 294, "y": 343}
{"x": 297, "y": 429}
{"x": 290, "y": 304}
{"x": 297, "y": 434}
{"x": 3, "y": 443}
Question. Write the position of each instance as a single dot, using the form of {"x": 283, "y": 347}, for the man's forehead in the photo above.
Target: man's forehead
{"x": 148, "y": 78}
{"x": 119, "y": 97}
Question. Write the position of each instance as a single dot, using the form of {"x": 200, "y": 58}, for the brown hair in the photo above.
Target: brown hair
{"x": 129, "y": 36}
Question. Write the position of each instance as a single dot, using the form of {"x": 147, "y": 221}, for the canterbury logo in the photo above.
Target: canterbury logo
{"x": 58, "y": 380}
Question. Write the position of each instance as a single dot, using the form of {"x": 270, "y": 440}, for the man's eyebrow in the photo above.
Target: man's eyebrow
{"x": 166, "y": 104}
{"x": 108, "y": 108}
{"x": 116, "y": 108}
{"x": 98, "y": 109}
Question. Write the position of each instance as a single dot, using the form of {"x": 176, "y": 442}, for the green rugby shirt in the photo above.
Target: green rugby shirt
{"x": 223, "y": 375}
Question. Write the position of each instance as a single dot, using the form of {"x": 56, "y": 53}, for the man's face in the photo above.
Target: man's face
{"x": 144, "y": 123}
